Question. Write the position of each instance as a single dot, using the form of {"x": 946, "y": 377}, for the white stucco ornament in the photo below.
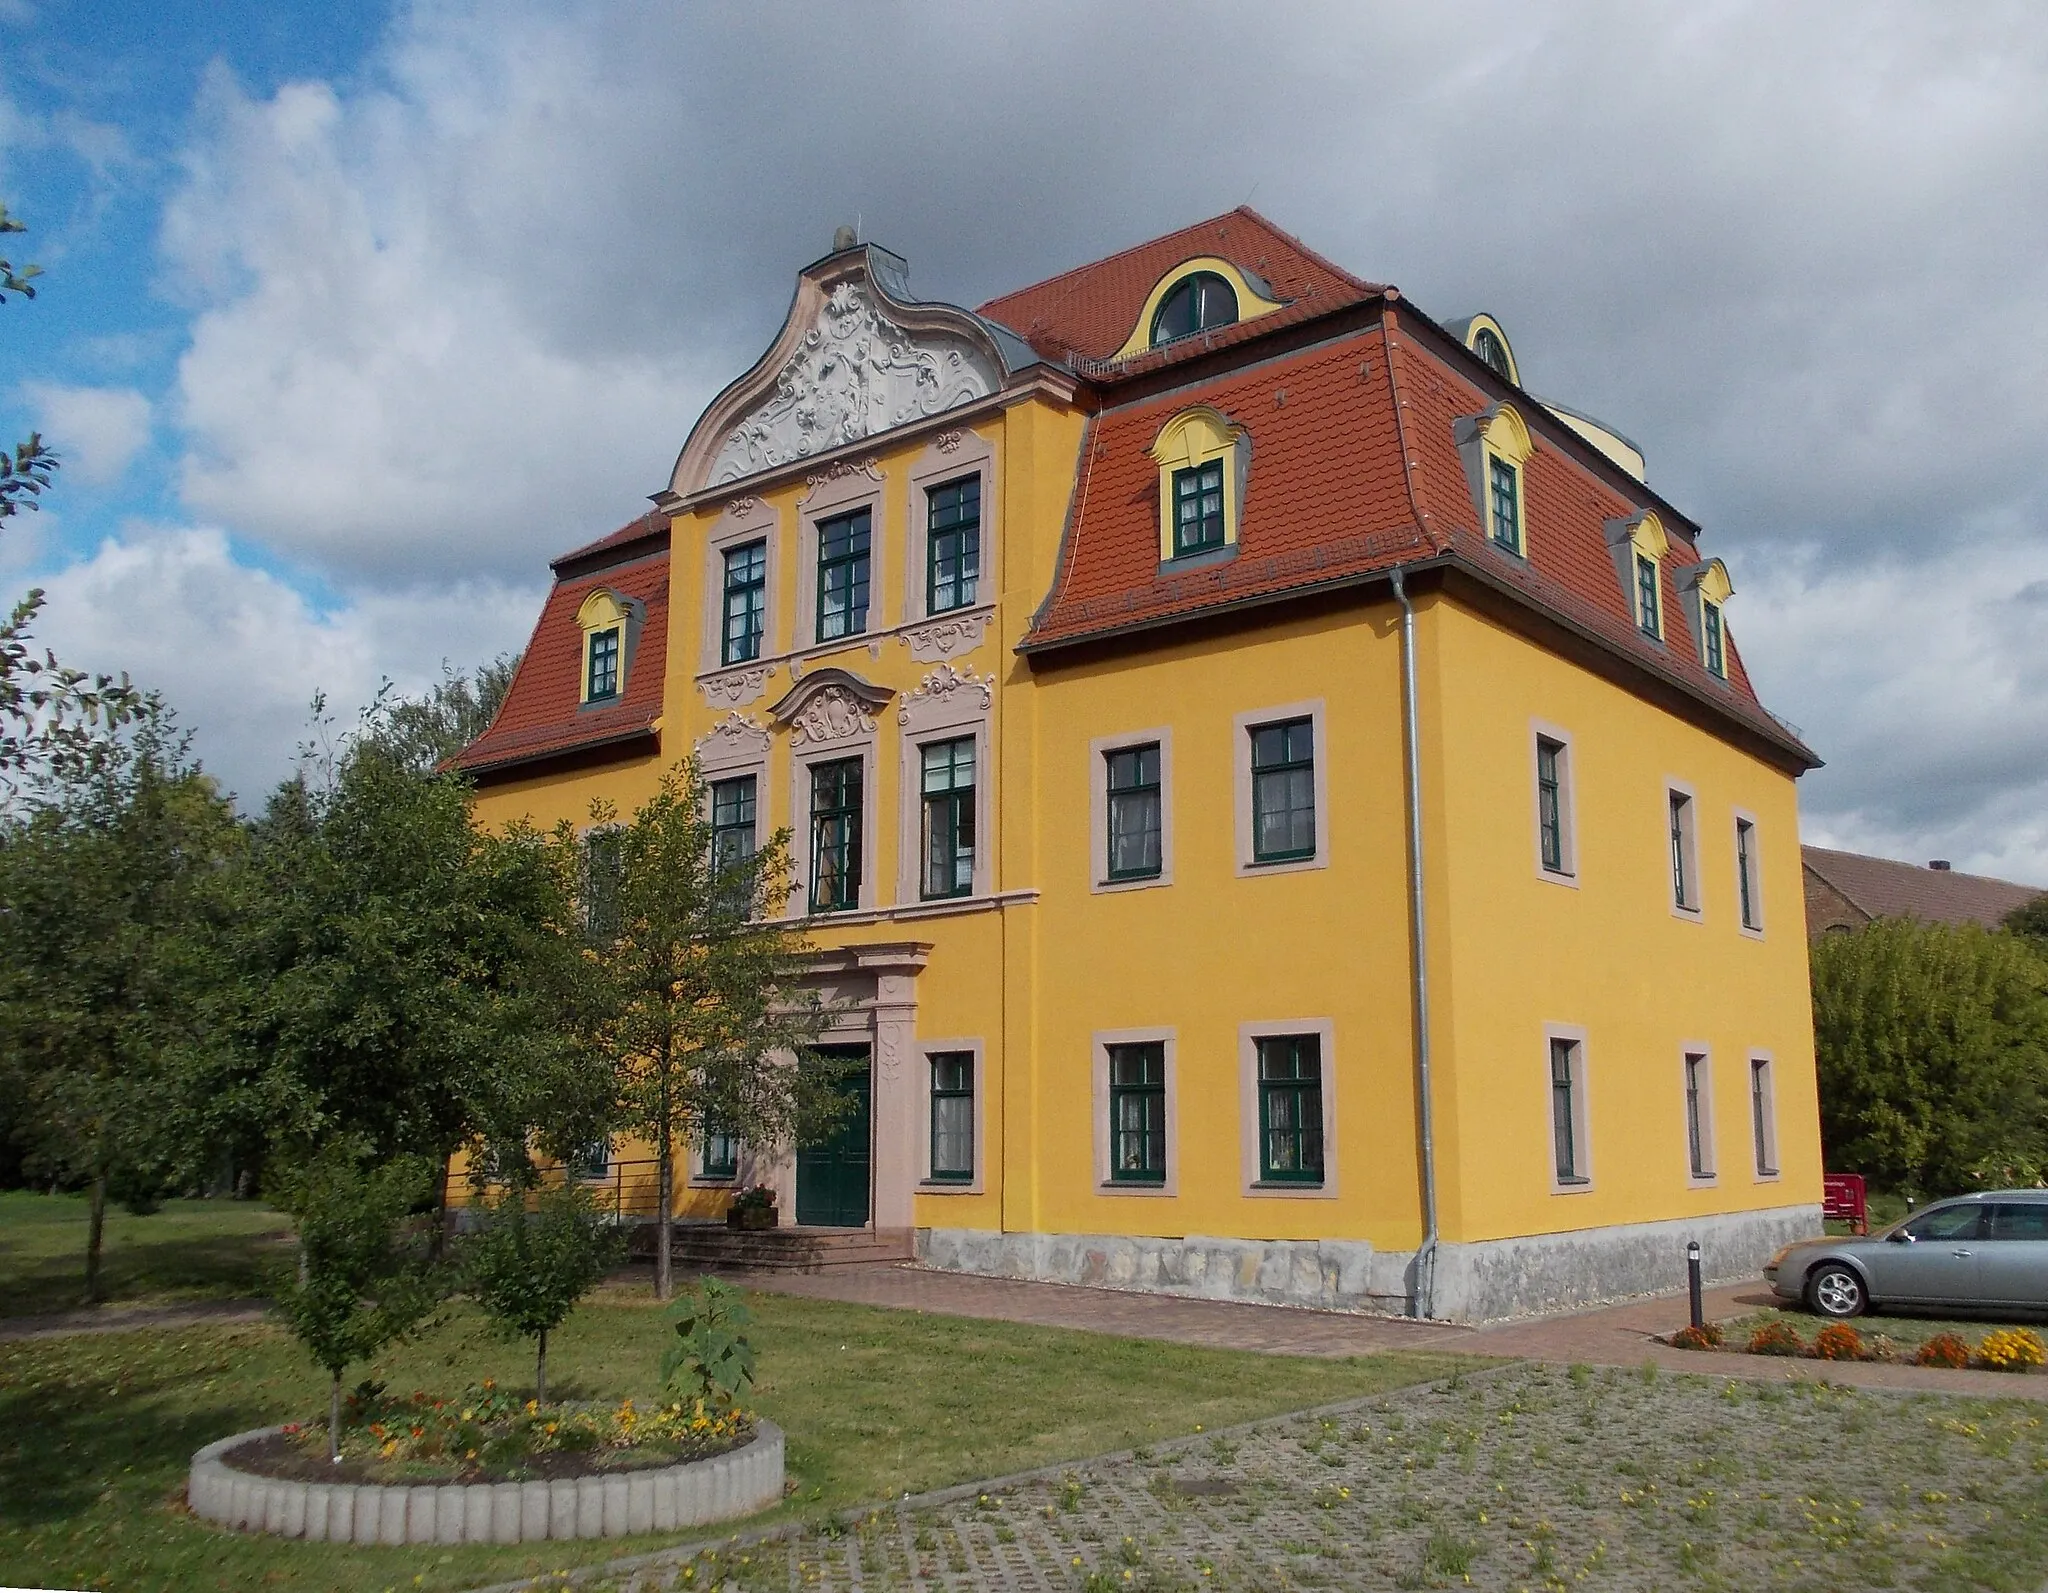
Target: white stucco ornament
{"x": 855, "y": 373}
{"x": 834, "y": 714}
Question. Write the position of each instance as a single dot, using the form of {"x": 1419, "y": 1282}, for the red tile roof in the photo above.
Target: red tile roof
{"x": 1882, "y": 888}
{"x": 543, "y": 715}
{"x": 651, "y": 524}
{"x": 1084, "y": 315}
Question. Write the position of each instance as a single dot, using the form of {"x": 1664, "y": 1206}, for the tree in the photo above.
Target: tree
{"x": 2030, "y": 922}
{"x": 704, "y": 1019}
{"x": 107, "y": 892}
{"x": 365, "y": 1277}
{"x": 54, "y": 721}
{"x": 1932, "y": 1045}
{"x": 528, "y": 1266}
{"x": 422, "y": 733}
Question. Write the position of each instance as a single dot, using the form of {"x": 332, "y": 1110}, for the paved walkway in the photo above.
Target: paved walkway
{"x": 129, "y": 1319}
{"x": 1620, "y": 1335}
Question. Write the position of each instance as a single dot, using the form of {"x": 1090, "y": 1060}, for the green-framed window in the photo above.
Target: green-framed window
{"x": 1550, "y": 802}
{"x": 1716, "y": 643}
{"x": 948, "y": 780}
{"x": 591, "y": 1162}
{"x": 1291, "y": 1109}
{"x": 746, "y": 603}
{"x": 1566, "y": 1088}
{"x": 603, "y": 666}
{"x": 952, "y": 1117}
{"x": 1135, "y": 813}
{"x": 835, "y": 835}
{"x": 1198, "y": 508}
{"x": 1649, "y": 606}
{"x": 1283, "y": 791}
{"x": 1745, "y": 872}
{"x": 721, "y": 1152}
{"x": 733, "y": 806}
{"x": 603, "y": 879}
{"x": 1696, "y": 1116}
{"x": 1199, "y": 302}
{"x": 843, "y": 544}
{"x": 1684, "y": 890}
{"x": 1137, "y": 1113}
{"x": 953, "y": 545}
{"x": 1504, "y": 483}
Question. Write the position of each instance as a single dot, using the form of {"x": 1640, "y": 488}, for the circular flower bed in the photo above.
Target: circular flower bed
{"x": 491, "y": 1467}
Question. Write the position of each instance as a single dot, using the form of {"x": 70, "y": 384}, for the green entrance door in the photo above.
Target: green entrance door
{"x": 832, "y": 1178}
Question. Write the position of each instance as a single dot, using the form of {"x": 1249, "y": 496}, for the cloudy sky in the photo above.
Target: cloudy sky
{"x": 354, "y": 313}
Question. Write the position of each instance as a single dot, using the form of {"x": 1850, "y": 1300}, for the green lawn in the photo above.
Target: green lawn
{"x": 190, "y": 1250}
{"x": 96, "y": 1431}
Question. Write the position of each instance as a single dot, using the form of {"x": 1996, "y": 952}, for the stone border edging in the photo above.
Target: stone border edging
{"x": 610, "y": 1505}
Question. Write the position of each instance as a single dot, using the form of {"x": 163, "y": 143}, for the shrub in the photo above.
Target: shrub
{"x": 1882, "y": 1347}
{"x": 712, "y": 1360}
{"x": 1944, "y": 1349}
{"x": 1839, "y": 1342}
{"x": 2011, "y": 1350}
{"x": 1777, "y": 1338}
{"x": 1707, "y": 1337}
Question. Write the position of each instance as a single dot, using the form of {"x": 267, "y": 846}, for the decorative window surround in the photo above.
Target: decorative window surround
{"x": 1702, "y": 587}
{"x": 946, "y": 705}
{"x": 1099, "y": 749}
{"x": 843, "y": 489}
{"x": 831, "y": 715}
{"x": 976, "y": 1185}
{"x": 947, "y": 457}
{"x": 1641, "y": 536}
{"x": 1582, "y": 1112}
{"x": 1196, "y": 437}
{"x": 930, "y": 642}
{"x": 734, "y": 747}
{"x": 1099, "y": 1044}
{"x": 1702, "y": 1053}
{"x": 1685, "y": 853}
{"x": 1749, "y": 894}
{"x": 744, "y": 520}
{"x": 1248, "y": 1037}
{"x": 1241, "y": 783}
{"x": 1567, "y": 801}
{"x": 1498, "y": 433}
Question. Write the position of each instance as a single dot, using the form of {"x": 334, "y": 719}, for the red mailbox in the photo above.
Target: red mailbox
{"x": 1842, "y": 1200}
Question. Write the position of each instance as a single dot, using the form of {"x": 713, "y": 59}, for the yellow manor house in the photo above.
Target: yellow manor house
{"x": 1280, "y": 807}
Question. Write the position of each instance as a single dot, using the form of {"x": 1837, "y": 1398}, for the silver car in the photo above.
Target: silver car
{"x": 1984, "y": 1252}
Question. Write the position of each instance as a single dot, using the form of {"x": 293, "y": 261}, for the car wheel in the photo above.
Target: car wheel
{"x": 1837, "y": 1292}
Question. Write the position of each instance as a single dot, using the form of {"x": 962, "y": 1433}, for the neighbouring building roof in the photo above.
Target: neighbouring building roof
{"x": 1845, "y": 890}
{"x": 543, "y": 717}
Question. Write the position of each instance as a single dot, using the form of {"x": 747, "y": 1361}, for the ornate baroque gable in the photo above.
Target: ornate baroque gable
{"x": 851, "y": 362}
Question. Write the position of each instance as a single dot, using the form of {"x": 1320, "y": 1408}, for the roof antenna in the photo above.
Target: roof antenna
{"x": 1248, "y": 198}
{"x": 858, "y": 218}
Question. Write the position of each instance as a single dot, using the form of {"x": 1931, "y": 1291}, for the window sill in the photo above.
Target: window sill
{"x": 1768, "y": 1176}
{"x": 1571, "y": 1186}
{"x": 1149, "y": 1189}
{"x": 872, "y": 636}
{"x": 1201, "y": 559}
{"x": 1703, "y": 1181}
{"x": 1297, "y": 1188}
{"x": 1555, "y": 876}
{"x": 711, "y": 1180}
{"x": 1250, "y": 867}
{"x": 1137, "y": 882}
{"x": 883, "y": 915}
{"x": 1749, "y": 932}
{"x": 1689, "y": 915}
{"x": 949, "y": 1186}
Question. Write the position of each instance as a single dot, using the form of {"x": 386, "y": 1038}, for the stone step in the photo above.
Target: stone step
{"x": 702, "y": 1245}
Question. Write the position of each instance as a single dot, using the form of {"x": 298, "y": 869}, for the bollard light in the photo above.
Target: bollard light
{"x": 1692, "y": 1282}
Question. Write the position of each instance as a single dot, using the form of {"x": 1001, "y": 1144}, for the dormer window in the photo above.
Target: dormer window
{"x": 1198, "y": 509}
{"x": 1648, "y": 618}
{"x": 1487, "y": 345}
{"x": 1202, "y": 456}
{"x": 1716, "y": 649}
{"x": 1495, "y": 447}
{"x": 609, "y": 623}
{"x": 1702, "y": 589}
{"x": 1197, "y": 303}
{"x": 1505, "y": 492}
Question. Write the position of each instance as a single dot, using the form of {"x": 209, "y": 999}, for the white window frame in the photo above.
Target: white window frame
{"x": 1567, "y": 800}
{"x": 1694, "y": 912}
{"x": 1582, "y": 1112}
{"x": 1241, "y": 782}
{"x": 694, "y": 1176}
{"x": 927, "y": 1184}
{"x": 1099, "y": 1044}
{"x": 1764, "y": 1136}
{"x": 1709, "y": 1151}
{"x": 1248, "y": 1037}
{"x": 1754, "y": 930}
{"x": 1099, "y": 750}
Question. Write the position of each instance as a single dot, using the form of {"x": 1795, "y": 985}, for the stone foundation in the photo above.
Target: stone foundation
{"x": 1481, "y": 1282}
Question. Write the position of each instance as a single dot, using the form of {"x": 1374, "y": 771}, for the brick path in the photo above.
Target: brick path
{"x": 1618, "y": 1335}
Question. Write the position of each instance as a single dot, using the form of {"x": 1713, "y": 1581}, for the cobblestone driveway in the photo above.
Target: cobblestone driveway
{"x": 1531, "y": 1477}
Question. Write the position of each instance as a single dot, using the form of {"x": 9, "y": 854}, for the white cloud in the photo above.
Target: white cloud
{"x": 240, "y": 653}
{"x": 95, "y": 431}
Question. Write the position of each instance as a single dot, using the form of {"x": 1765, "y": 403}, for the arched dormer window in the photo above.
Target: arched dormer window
{"x": 1705, "y": 588}
{"x": 1639, "y": 544}
{"x": 610, "y": 624}
{"x": 1197, "y": 303}
{"x": 1202, "y": 456}
{"x": 1492, "y": 351}
{"x": 1496, "y": 447}
{"x": 1488, "y": 341}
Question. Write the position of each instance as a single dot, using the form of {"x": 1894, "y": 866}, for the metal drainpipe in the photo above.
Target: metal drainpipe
{"x": 1425, "y": 1258}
